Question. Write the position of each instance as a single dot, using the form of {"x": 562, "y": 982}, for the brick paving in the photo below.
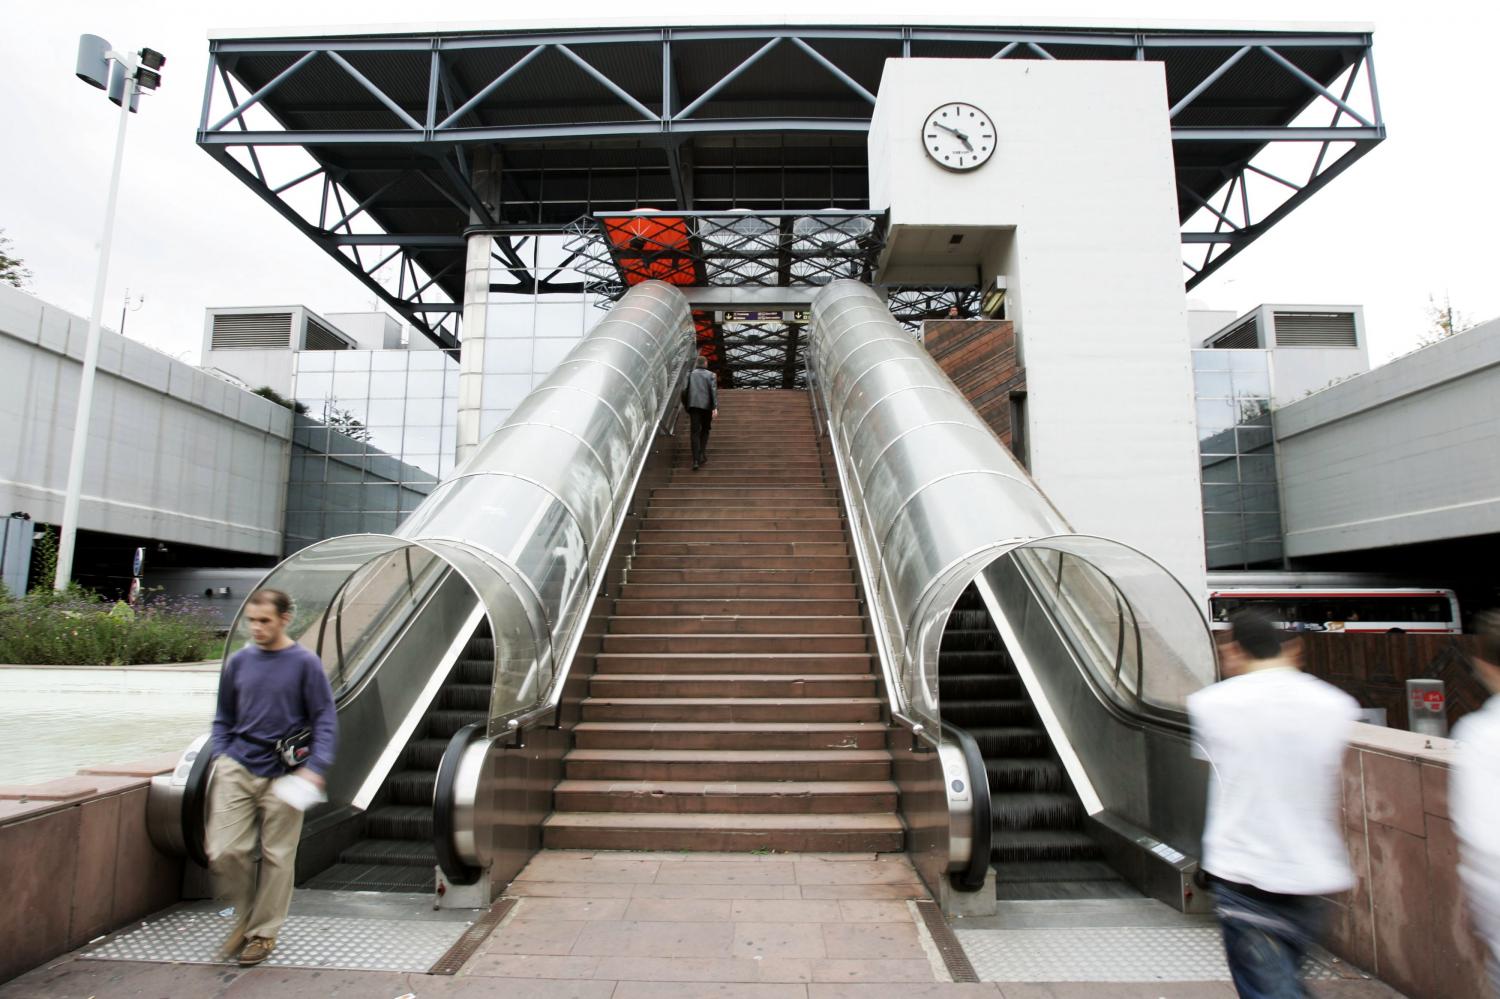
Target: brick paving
{"x": 659, "y": 926}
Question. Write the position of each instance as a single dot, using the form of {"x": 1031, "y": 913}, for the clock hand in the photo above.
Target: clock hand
{"x": 959, "y": 135}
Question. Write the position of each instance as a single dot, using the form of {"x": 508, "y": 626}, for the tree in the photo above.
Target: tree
{"x": 1443, "y": 321}
{"x": 12, "y": 268}
{"x": 345, "y": 422}
{"x": 267, "y": 392}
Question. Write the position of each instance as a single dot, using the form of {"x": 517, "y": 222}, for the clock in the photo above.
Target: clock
{"x": 959, "y": 136}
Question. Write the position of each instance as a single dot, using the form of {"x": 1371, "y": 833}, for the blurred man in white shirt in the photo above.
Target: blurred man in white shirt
{"x": 1274, "y": 738}
{"x": 1474, "y": 796}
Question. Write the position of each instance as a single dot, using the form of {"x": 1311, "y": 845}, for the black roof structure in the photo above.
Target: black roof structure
{"x": 400, "y": 142}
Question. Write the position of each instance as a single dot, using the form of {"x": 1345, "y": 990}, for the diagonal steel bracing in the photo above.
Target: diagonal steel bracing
{"x": 676, "y": 98}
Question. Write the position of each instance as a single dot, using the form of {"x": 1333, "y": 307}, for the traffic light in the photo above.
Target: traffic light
{"x": 147, "y": 76}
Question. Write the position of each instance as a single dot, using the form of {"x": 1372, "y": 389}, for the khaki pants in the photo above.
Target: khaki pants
{"x": 241, "y": 805}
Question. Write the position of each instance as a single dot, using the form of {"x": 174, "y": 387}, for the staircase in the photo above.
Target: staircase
{"x": 734, "y": 706}
{"x": 1040, "y": 849}
{"x": 395, "y": 852}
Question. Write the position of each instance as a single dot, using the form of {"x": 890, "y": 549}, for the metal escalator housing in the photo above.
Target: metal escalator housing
{"x": 934, "y": 501}
{"x": 522, "y": 536}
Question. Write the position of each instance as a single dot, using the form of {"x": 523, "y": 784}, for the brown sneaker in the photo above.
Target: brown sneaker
{"x": 257, "y": 949}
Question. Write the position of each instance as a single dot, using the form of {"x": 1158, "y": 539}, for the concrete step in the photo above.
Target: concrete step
{"x": 730, "y": 624}
{"x": 879, "y": 832}
{"x": 710, "y": 534}
{"x": 727, "y": 764}
{"x": 740, "y": 576}
{"x": 745, "y": 591}
{"x": 750, "y": 709}
{"x": 729, "y": 735}
{"x": 736, "y": 606}
{"x": 801, "y": 516}
{"x": 732, "y": 498}
{"x": 741, "y": 562}
{"x": 700, "y": 663}
{"x": 730, "y": 797}
{"x": 741, "y": 644}
{"x": 780, "y": 685}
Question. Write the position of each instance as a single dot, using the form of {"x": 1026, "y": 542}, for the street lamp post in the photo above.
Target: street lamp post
{"x": 123, "y": 76}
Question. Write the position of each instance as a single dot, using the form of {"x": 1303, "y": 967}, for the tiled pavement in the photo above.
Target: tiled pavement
{"x": 660, "y": 926}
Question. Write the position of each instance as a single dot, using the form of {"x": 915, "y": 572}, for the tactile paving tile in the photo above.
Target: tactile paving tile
{"x": 1104, "y": 954}
{"x": 305, "y": 942}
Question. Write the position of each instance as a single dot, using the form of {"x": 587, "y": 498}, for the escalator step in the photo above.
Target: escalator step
{"x": 391, "y": 853}
{"x": 474, "y": 671}
{"x": 997, "y": 713}
{"x": 1035, "y": 811}
{"x": 374, "y": 877}
{"x": 985, "y": 639}
{"x": 423, "y": 754}
{"x": 1031, "y": 845}
{"x": 465, "y": 697}
{"x": 410, "y": 822}
{"x": 1010, "y": 741}
{"x": 969, "y": 599}
{"x": 954, "y": 661}
{"x": 978, "y": 686}
{"x": 411, "y": 787}
{"x": 1010, "y": 774}
{"x": 969, "y": 619}
{"x": 480, "y": 648}
{"x": 1057, "y": 870}
{"x": 442, "y": 724}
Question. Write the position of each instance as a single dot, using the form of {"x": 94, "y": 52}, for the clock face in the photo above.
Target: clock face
{"x": 959, "y": 136}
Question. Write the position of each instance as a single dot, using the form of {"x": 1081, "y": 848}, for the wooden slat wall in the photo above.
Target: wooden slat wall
{"x": 980, "y": 356}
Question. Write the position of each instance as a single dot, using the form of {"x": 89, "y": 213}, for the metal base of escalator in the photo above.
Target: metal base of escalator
{"x": 1040, "y": 848}
{"x": 395, "y": 851}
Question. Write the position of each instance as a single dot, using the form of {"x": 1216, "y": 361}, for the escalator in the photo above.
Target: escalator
{"x": 1039, "y": 675}
{"x": 450, "y": 644}
{"x": 395, "y": 851}
{"x": 1040, "y": 848}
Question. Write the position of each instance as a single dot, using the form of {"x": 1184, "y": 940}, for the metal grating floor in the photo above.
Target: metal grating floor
{"x": 384, "y": 933}
{"x": 1105, "y": 954}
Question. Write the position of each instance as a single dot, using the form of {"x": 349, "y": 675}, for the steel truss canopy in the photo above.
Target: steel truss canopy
{"x": 383, "y": 148}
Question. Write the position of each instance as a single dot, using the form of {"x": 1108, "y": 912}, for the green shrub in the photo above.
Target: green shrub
{"x": 77, "y": 628}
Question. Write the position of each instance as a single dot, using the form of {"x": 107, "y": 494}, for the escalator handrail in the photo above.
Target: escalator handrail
{"x": 445, "y": 806}
{"x": 974, "y": 874}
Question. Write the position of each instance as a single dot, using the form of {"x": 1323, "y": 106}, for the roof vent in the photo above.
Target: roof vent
{"x": 1245, "y": 336}
{"x": 1315, "y": 329}
{"x": 251, "y": 331}
{"x": 320, "y": 337}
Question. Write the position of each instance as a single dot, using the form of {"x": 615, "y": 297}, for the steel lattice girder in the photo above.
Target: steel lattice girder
{"x": 587, "y": 121}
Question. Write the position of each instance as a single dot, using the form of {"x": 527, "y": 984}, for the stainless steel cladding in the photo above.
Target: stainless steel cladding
{"x": 1104, "y": 638}
{"x": 525, "y": 522}
{"x": 934, "y": 495}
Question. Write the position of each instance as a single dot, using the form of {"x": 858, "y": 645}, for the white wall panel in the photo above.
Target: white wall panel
{"x": 1083, "y": 174}
{"x": 173, "y": 454}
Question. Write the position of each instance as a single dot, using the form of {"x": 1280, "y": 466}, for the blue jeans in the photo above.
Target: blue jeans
{"x": 1266, "y": 936}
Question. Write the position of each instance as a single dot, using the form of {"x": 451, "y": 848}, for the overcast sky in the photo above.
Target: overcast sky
{"x": 1415, "y": 218}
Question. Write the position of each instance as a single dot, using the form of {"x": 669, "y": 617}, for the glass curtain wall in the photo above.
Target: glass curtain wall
{"x": 1241, "y": 506}
{"x": 378, "y": 434}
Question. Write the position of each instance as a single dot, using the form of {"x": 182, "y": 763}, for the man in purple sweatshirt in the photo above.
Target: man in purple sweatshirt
{"x": 268, "y": 691}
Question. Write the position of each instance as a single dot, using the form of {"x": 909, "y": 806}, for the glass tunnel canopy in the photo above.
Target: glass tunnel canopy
{"x": 353, "y": 594}
{"x": 524, "y": 524}
{"x": 1126, "y": 618}
{"x": 937, "y": 502}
